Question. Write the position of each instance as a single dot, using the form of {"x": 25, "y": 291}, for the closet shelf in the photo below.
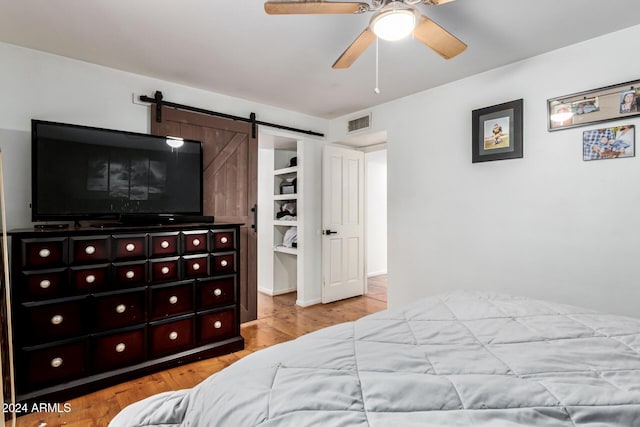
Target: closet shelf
{"x": 286, "y": 171}
{"x": 286, "y": 223}
{"x": 285, "y": 197}
{"x": 286, "y": 250}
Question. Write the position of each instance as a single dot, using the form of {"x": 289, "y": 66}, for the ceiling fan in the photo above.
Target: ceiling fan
{"x": 391, "y": 20}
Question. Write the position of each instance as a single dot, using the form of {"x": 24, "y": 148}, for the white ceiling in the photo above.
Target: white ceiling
{"x": 232, "y": 47}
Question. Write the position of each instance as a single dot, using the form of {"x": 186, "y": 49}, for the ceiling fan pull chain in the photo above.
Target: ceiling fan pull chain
{"x": 377, "y": 89}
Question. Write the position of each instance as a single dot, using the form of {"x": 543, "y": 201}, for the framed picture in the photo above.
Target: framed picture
{"x": 594, "y": 106}
{"x": 628, "y": 102}
{"x": 497, "y": 132}
{"x": 609, "y": 143}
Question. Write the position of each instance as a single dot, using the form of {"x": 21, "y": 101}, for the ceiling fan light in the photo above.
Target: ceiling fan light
{"x": 393, "y": 24}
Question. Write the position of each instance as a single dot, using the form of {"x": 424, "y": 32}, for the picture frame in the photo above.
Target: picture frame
{"x": 594, "y": 106}
{"x": 497, "y": 132}
{"x": 614, "y": 142}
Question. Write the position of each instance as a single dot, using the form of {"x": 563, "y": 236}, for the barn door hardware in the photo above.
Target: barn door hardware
{"x": 158, "y": 100}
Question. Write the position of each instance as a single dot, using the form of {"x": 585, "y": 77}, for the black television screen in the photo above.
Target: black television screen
{"x": 81, "y": 172}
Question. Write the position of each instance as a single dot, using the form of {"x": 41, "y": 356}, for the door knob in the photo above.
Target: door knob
{"x": 328, "y": 232}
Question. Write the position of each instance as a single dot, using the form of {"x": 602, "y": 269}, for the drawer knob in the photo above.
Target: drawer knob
{"x": 121, "y": 308}
{"x": 164, "y": 244}
{"x": 217, "y": 292}
{"x": 173, "y": 336}
{"x": 90, "y": 278}
{"x": 90, "y": 250}
{"x": 164, "y": 270}
{"x": 224, "y": 263}
{"x": 223, "y": 239}
{"x": 121, "y": 347}
{"x": 130, "y": 274}
{"x": 173, "y": 299}
{"x": 217, "y": 324}
{"x": 44, "y": 253}
{"x": 130, "y": 247}
{"x": 196, "y": 266}
{"x": 56, "y": 362}
{"x": 57, "y": 319}
{"x": 44, "y": 284}
{"x": 196, "y": 242}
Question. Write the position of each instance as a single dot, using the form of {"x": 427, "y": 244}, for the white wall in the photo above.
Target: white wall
{"x": 549, "y": 225}
{"x": 376, "y": 209}
{"x": 36, "y": 85}
{"x": 265, "y": 213}
{"x": 309, "y": 234}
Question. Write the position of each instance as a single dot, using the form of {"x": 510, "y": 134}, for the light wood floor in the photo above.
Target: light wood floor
{"x": 279, "y": 320}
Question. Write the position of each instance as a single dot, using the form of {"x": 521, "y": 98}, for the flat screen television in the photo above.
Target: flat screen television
{"x": 87, "y": 173}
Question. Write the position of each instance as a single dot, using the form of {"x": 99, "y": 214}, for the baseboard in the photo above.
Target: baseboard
{"x": 286, "y": 291}
{"x": 308, "y": 303}
{"x": 377, "y": 273}
{"x": 265, "y": 291}
{"x": 272, "y": 293}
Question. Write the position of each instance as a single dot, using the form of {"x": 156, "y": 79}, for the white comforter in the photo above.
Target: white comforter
{"x": 460, "y": 359}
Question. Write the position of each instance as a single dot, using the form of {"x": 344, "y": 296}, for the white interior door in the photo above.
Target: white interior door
{"x": 342, "y": 223}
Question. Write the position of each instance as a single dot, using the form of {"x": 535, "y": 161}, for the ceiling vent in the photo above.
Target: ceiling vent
{"x": 358, "y": 124}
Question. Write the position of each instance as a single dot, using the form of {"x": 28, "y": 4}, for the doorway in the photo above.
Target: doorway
{"x": 376, "y": 221}
{"x": 307, "y": 275}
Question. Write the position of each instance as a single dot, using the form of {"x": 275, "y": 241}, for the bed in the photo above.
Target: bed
{"x": 459, "y": 359}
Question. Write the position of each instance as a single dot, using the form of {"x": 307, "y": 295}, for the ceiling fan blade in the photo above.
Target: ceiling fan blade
{"x": 437, "y": 38}
{"x": 356, "y": 49}
{"x": 437, "y": 2}
{"x": 314, "y": 7}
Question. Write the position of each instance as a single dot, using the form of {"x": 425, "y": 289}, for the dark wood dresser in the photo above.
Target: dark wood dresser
{"x": 96, "y": 306}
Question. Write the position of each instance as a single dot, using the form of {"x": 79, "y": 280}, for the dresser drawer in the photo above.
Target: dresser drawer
{"x": 164, "y": 244}
{"x": 120, "y": 309}
{"x": 113, "y": 351}
{"x": 89, "y": 278}
{"x": 216, "y": 292}
{"x": 216, "y": 326}
{"x": 47, "y": 252}
{"x": 130, "y": 274}
{"x": 129, "y": 246}
{"x": 171, "y": 300}
{"x": 43, "y": 284}
{"x": 165, "y": 269}
{"x": 195, "y": 241}
{"x": 54, "y": 364}
{"x": 89, "y": 250}
{"x": 169, "y": 337}
{"x": 195, "y": 266}
{"x": 223, "y": 240}
{"x": 223, "y": 263}
{"x": 51, "y": 321}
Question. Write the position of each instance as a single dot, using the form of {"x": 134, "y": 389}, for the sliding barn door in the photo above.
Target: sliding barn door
{"x": 230, "y": 183}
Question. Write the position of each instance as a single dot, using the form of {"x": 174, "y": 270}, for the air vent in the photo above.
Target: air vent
{"x": 359, "y": 123}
